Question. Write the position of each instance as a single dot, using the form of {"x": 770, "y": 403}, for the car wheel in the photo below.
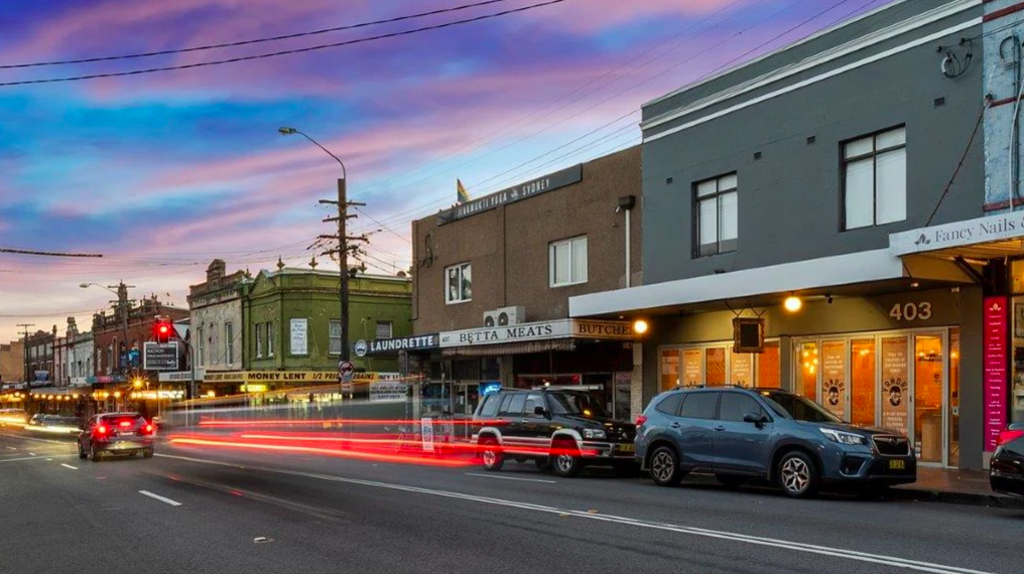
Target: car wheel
{"x": 730, "y": 481}
{"x": 626, "y": 469}
{"x": 797, "y": 475}
{"x": 490, "y": 455}
{"x": 148, "y": 453}
{"x": 566, "y": 458}
{"x": 95, "y": 454}
{"x": 664, "y": 467}
{"x": 81, "y": 452}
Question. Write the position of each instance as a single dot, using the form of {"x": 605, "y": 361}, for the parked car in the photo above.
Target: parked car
{"x": 120, "y": 433}
{"x": 561, "y": 428}
{"x": 1006, "y": 471}
{"x": 742, "y": 434}
{"x": 15, "y": 417}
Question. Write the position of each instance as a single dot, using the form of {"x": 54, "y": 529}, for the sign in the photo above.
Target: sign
{"x": 175, "y": 377}
{"x": 540, "y": 331}
{"x": 293, "y": 377}
{"x": 693, "y": 367}
{"x": 360, "y": 348}
{"x": 895, "y": 384}
{"x": 427, "y": 426}
{"x": 388, "y": 392}
{"x": 531, "y": 188}
{"x": 741, "y": 366}
{"x": 833, "y": 377}
{"x": 489, "y": 388}
{"x": 346, "y": 370}
{"x": 393, "y": 346}
{"x": 994, "y": 341}
{"x": 958, "y": 234}
{"x": 299, "y": 340}
{"x": 257, "y": 388}
{"x": 160, "y": 356}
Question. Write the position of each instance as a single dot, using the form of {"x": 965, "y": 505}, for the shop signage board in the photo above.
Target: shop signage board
{"x": 539, "y": 331}
{"x": 742, "y": 367}
{"x": 160, "y": 356}
{"x": 388, "y": 392}
{"x": 394, "y": 346}
{"x": 958, "y": 234}
{"x": 175, "y": 377}
{"x": 293, "y": 377}
{"x": 531, "y": 188}
{"x": 895, "y": 384}
{"x": 693, "y": 367}
{"x": 995, "y": 335}
{"x": 299, "y": 340}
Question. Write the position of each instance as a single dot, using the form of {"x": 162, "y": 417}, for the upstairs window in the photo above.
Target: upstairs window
{"x": 875, "y": 179}
{"x": 717, "y": 214}
{"x": 568, "y": 262}
{"x": 458, "y": 283}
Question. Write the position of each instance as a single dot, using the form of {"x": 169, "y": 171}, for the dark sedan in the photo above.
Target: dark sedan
{"x": 1006, "y": 472}
{"x": 116, "y": 433}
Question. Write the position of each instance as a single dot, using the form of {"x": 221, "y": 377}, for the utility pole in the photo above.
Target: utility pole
{"x": 346, "y": 244}
{"x": 25, "y": 326}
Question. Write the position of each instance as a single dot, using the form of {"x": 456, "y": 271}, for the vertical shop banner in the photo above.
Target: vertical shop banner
{"x": 669, "y": 369}
{"x": 715, "y": 365}
{"x": 693, "y": 367}
{"x": 994, "y": 335}
{"x": 742, "y": 367}
{"x": 833, "y": 377}
{"x": 895, "y": 384}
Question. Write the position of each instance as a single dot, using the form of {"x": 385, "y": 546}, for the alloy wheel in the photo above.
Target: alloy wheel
{"x": 489, "y": 457}
{"x": 662, "y": 466}
{"x": 796, "y": 477}
{"x": 564, "y": 462}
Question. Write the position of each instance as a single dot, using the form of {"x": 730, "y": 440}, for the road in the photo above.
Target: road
{"x": 193, "y": 509}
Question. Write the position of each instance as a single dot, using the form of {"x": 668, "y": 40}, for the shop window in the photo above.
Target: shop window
{"x": 693, "y": 367}
{"x": 833, "y": 377}
{"x": 862, "y": 381}
{"x": 715, "y": 376}
{"x": 928, "y": 397}
{"x": 334, "y": 336}
{"x": 669, "y": 369}
{"x": 741, "y": 369}
{"x": 807, "y": 383}
{"x": 769, "y": 374}
{"x": 895, "y": 384}
{"x": 875, "y": 179}
{"x": 568, "y": 262}
{"x": 717, "y": 214}
{"x": 384, "y": 329}
{"x": 954, "y": 398}
{"x": 458, "y": 283}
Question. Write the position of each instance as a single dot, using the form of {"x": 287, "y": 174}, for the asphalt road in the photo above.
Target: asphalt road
{"x": 197, "y": 509}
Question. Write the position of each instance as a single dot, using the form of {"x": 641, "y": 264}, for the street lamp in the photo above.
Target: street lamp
{"x": 342, "y": 239}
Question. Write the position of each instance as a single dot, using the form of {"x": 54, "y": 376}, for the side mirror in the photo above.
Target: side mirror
{"x": 752, "y": 418}
{"x": 540, "y": 411}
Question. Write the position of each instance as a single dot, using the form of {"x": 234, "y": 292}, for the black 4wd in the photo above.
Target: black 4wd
{"x": 562, "y": 429}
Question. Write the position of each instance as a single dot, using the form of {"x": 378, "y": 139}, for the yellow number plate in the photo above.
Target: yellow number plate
{"x": 627, "y": 448}
{"x": 897, "y": 465}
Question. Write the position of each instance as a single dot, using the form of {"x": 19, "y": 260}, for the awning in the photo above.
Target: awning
{"x": 852, "y": 274}
{"x": 980, "y": 239}
{"x": 510, "y": 349}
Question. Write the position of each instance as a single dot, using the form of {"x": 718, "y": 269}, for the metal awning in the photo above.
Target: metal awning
{"x": 522, "y": 348}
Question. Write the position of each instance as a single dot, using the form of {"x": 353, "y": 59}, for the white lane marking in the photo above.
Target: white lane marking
{"x": 11, "y": 448}
{"x": 69, "y": 466}
{"x": 31, "y": 454}
{"x": 160, "y": 498}
{"x": 49, "y": 460}
{"x": 22, "y": 437}
{"x": 693, "y": 531}
{"x": 36, "y": 458}
{"x": 481, "y": 475}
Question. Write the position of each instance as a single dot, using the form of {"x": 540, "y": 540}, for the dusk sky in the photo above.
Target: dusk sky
{"x": 163, "y": 172}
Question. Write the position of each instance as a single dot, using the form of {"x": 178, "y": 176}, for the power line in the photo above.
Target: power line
{"x": 282, "y": 52}
{"x": 386, "y": 228}
{"x": 47, "y": 253}
{"x": 249, "y": 42}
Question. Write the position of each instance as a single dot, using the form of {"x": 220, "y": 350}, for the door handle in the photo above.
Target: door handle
{"x": 675, "y": 425}
{"x": 719, "y": 428}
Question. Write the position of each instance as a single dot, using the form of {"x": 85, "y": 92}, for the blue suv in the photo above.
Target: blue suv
{"x": 742, "y": 434}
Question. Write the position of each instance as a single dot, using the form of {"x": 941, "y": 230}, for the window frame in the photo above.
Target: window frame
{"x": 229, "y": 343}
{"x": 462, "y": 270}
{"x": 390, "y": 326}
{"x": 259, "y": 340}
{"x": 697, "y": 199}
{"x": 270, "y": 339}
{"x": 844, "y": 163}
{"x": 553, "y": 272}
{"x": 331, "y": 338}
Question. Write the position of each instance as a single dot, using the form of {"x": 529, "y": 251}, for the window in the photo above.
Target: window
{"x": 568, "y": 262}
{"x": 335, "y": 337}
{"x": 670, "y": 405}
{"x": 270, "y": 339}
{"x": 735, "y": 406}
{"x": 384, "y": 329}
{"x": 717, "y": 213}
{"x": 229, "y": 343}
{"x": 259, "y": 340}
{"x": 516, "y": 406}
{"x": 201, "y": 350}
{"x": 490, "y": 407}
{"x": 875, "y": 179}
{"x": 699, "y": 406}
{"x": 458, "y": 283}
{"x": 532, "y": 402}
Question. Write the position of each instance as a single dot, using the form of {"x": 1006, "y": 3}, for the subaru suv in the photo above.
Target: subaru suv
{"x": 561, "y": 428}
{"x": 121, "y": 433}
{"x": 769, "y": 434}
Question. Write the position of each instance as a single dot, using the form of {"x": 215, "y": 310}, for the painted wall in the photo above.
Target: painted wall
{"x": 1002, "y": 83}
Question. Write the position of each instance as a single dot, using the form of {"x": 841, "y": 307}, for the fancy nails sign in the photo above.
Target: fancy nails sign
{"x": 895, "y": 384}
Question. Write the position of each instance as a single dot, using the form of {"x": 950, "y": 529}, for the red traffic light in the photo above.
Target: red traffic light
{"x": 162, "y": 331}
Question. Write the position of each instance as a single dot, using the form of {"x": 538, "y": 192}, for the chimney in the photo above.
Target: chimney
{"x": 216, "y": 271}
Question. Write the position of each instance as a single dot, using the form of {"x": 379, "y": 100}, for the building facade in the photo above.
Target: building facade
{"x": 216, "y": 320}
{"x": 118, "y": 333}
{"x": 494, "y": 276}
{"x": 292, "y": 330}
{"x": 12, "y": 364}
{"x": 39, "y": 357}
{"x": 785, "y": 191}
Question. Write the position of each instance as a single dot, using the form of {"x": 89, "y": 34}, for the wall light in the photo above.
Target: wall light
{"x": 640, "y": 326}
{"x": 793, "y": 304}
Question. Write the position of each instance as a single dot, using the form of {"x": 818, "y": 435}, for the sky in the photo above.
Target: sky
{"x": 163, "y": 172}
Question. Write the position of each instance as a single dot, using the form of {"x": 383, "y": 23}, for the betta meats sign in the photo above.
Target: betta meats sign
{"x": 541, "y": 331}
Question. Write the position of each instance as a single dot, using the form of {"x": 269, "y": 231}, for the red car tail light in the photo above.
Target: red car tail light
{"x": 1009, "y": 436}
{"x": 641, "y": 420}
{"x": 124, "y": 424}
{"x": 101, "y": 430}
{"x": 148, "y": 429}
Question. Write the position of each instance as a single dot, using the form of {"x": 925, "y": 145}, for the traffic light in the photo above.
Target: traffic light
{"x": 163, "y": 331}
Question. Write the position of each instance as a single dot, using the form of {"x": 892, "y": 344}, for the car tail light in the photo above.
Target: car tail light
{"x": 101, "y": 429}
{"x": 148, "y": 429}
{"x": 124, "y": 424}
{"x": 1009, "y": 436}
{"x": 641, "y": 420}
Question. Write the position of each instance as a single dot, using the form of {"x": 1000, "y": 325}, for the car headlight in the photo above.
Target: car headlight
{"x": 594, "y": 433}
{"x": 843, "y": 437}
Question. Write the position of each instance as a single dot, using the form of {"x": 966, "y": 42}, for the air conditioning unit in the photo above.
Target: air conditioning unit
{"x": 505, "y": 316}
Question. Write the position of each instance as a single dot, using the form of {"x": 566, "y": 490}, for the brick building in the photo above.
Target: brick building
{"x": 109, "y": 334}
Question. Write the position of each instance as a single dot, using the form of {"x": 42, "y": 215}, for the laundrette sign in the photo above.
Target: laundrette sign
{"x": 958, "y": 234}
{"x": 540, "y": 331}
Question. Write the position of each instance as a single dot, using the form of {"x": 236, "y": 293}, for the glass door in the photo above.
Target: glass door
{"x": 862, "y": 382}
{"x": 928, "y": 393}
{"x": 953, "y": 400}
{"x": 833, "y": 369}
{"x": 807, "y": 377}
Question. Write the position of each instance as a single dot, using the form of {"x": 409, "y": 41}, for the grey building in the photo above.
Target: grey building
{"x": 832, "y": 190}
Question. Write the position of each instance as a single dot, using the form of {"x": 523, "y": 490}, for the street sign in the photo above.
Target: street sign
{"x": 175, "y": 377}
{"x": 160, "y": 356}
{"x": 361, "y": 348}
{"x": 346, "y": 370}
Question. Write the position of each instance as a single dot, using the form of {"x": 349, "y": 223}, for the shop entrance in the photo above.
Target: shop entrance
{"x": 907, "y": 381}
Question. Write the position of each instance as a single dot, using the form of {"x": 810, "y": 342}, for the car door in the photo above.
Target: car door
{"x": 537, "y": 428}
{"x": 86, "y": 434}
{"x": 693, "y": 428}
{"x": 741, "y": 447}
{"x": 512, "y": 427}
